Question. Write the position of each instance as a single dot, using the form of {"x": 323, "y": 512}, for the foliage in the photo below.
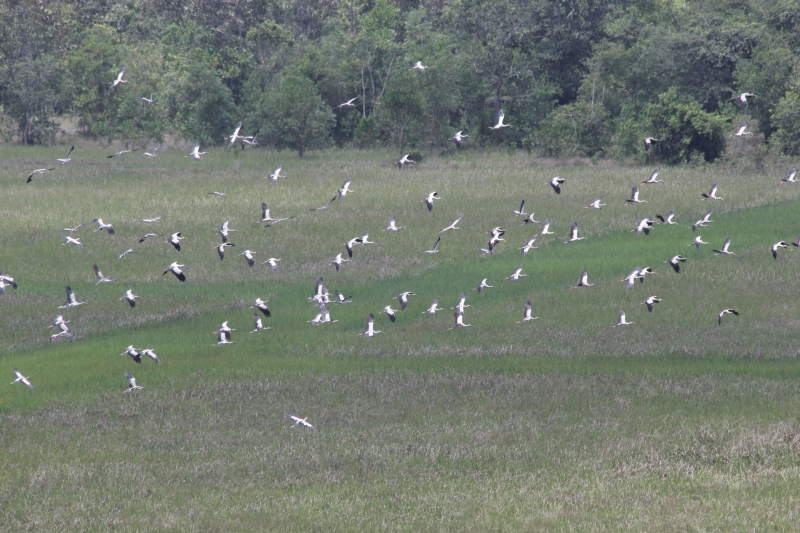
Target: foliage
{"x": 786, "y": 119}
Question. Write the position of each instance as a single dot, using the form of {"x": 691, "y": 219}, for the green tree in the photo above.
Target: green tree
{"x": 204, "y": 110}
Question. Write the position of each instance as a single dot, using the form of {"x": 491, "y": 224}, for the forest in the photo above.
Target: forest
{"x": 588, "y": 78}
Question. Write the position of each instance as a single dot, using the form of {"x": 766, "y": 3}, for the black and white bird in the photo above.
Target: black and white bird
{"x": 500, "y": 116}
{"x": 369, "y": 328}
{"x": 38, "y": 171}
{"x": 261, "y": 305}
{"x": 433, "y": 308}
{"x": 225, "y": 230}
{"x": 196, "y": 153}
{"x": 703, "y": 222}
{"x": 235, "y": 135}
{"x": 348, "y": 103}
{"x": 248, "y": 255}
{"x": 546, "y": 227}
{"x": 145, "y": 99}
{"x": 390, "y": 312}
{"x": 483, "y": 285}
{"x": 132, "y": 386}
{"x": 726, "y": 312}
{"x": 276, "y": 175}
{"x": 100, "y": 277}
{"x": 273, "y": 263}
{"x": 790, "y": 177}
{"x": 392, "y": 226}
{"x": 459, "y": 138}
{"x": 517, "y": 274}
{"x": 530, "y": 219}
{"x": 667, "y": 219}
{"x": 118, "y": 80}
{"x": 622, "y": 321}
{"x": 644, "y": 225}
{"x": 130, "y": 298}
{"x": 100, "y": 225}
{"x": 556, "y": 183}
{"x": 323, "y": 317}
{"x": 529, "y": 246}
{"x": 573, "y": 234}
{"x": 175, "y": 268}
{"x": 459, "y": 321}
{"x": 257, "y": 324}
{"x": 217, "y": 193}
{"x": 742, "y": 99}
{"x": 526, "y": 314}
{"x": 452, "y": 226}
{"x": 654, "y": 177}
{"x": 741, "y": 132}
{"x": 461, "y": 305}
{"x": 63, "y": 331}
{"x": 150, "y": 154}
{"x": 175, "y": 240}
{"x": 122, "y": 152}
{"x": 349, "y": 245}
{"x": 435, "y": 249}
{"x": 403, "y": 299}
{"x": 405, "y": 160}
{"x": 133, "y": 353}
{"x": 150, "y": 353}
{"x": 675, "y": 263}
{"x": 630, "y": 279}
{"x": 364, "y": 240}
{"x": 698, "y": 241}
{"x": 127, "y": 252}
{"x": 724, "y": 250}
{"x": 595, "y": 204}
{"x": 265, "y": 216}
{"x": 73, "y": 230}
{"x": 635, "y": 197}
{"x": 651, "y": 301}
{"x": 300, "y": 422}
{"x": 223, "y": 337}
{"x": 19, "y": 378}
{"x": 72, "y": 301}
{"x": 649, "y": 142}
{"x": 712, "y": 194}
{"x": 339, "y": 260}
{"x": 71, "y": 240}
{"x": 221, "y": 249}
{"x": 345, "y": 188}
{"x": 774, "y": 248}
{"x": 428, "y": 200}
{"x": 584, "y": 281}
{"x": 8, "y": 280}
{"x": 224, "y": 327}
{"x": 521, "y": 211}
{"x": 68, "y": 158}
{"x": 342, "y": 299}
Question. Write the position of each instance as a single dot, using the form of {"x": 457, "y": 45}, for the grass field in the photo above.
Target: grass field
{"x": 564, "y": 423}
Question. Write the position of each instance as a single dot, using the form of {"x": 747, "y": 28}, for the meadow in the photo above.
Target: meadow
{"x": 560, "y": 424}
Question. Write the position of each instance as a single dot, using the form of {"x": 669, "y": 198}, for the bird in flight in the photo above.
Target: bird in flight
{"x": 528, "y": 247}
{"x": 703, "y": 222}
{"x": 196, "y": 153}
{"x": 521, "y": 211}
{"x": 459, "y": 138}
{"x": 224, "y": 230}
{"x": 133, "y": 353}
{"x": 175, "y": 240}
{"x": 404, "y": 160}
{"x": 145, "y": 99}
{"x": 726, "y": 312}
{"x": 276, "y": 175}
{"x": 635, "y": 197}
{"x": 644, "y": 226}
{"x": 150, "y": 154}
{"x": 712, "y": 194}
{"x": 741, "y": 131}
{"x": 300, "y": 422}
{"x": 775, "y": 248}
{"x": 132, "y": 386}
{"x": 651, "y": 301}
{"x": 100, "y": 226}
{"x": 573, "y": 235}
{"x": 369, "y": 328}
{"x": 790, "y": 177}
{"x": 273, "y": 263}
{"x": 392, "y": 226}
{"x": 556, "y": 183}
{"x": 118, "y": 80}
{"x": 526, "y": 314}
{"x": 68, "y": 158}
{"x": 390, "y": 312}
{"x": 595, "y": 204}
{"x": 130, "y": 298}
{"x": 19, "y": 378}
{"x": 261, "y": 305}
{"x": 433, "y": 308}
{"x": 38, "y": 171}
{"x": 483, "y": 285}
{"x": 265, "y": 216}
{"x": 122, "y": 152}
{"x": 338, "y": 260}
{"x": 428, "y": 200}
{"x": 698, "y": 241}
{"x": 584, "y": 281}
{"x": 71, "y": 240}
{"x": 175, "y": 268}
{"x": 248, "y": 255}
{"x": 419, "y": 67}
{"x": 667, "y": 219}
{"x": 100, "y": 277}
{"x": 459, "y": 321}
{"x": 403, "y": 299}
{"x": 257, "y": 324}
{"x": 622, "y": 321}
{"x": 742, "y": 99}
{"x": 127, "y": 252}
{"x": 235, "y": 135}
{"x": 453, "y": 225}
{"x": 72, "y": 301}
{"x": 649, "y": 142}
{"x": 654, "y": 176}
{"x": 724, "y": 250}
{"x": 348, "y": 103}
{"x": 675, "y": 263}
{"x": 517, "y": 274}
{"x": 435, "y": 249}
{"x": 500, "y": 116}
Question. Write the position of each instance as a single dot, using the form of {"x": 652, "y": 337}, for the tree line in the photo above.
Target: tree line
{"x": 574, "y": 77}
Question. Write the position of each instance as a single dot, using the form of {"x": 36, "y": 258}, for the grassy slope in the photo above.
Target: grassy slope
{"x": 565, "y": 422}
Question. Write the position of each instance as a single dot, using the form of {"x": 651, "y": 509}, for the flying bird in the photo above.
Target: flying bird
{"x": 132, "y": 386}
{"x": 100, "y": 277}
{"x": 741, "y": 131}
{"x": 703, "y": 222}
{"x": 217, "y": 193}
{"x": 390, "y": 312}
{"x": 649, "y": 142}
{"x": 272, "y": 262}
{"x": 130, "y": 298}
{"x": 150, "y": 154}
{"x": 342, "y": 299}
{"x": 196, "y": 153}
{"x": 19, "y": 378}
{"x": 73, "y": 230}
{"x": 248, "y": 255}
{"x": 392, "y": 226}
{"x": 223, "y": 337}
{"x": 369, "y": 328}
{"x": 151, "y": 220}
{"x": 224, "y": 230}
{"x": 38, "y": 171}
{"x": 404, "y": 160}
{"x": 726, "y": 312}
{"x": 483, "y": 285}
{"x": 133, "y": 353}
{"x": 630, "y": 279}
{"x": 712, "y": 194}
{"x": 530, "y": 219}
{"x": 556, "y": 183}
{"x": 654, "y": 176}
{"x": 651, "y": 301}
{"x": 517, "y": 274}
{"x": 635, "y": 197}
{"x": 68, "y": 158}
{"x": 261, "y": 305}
{"x": 526, "y": 314}
{"x": 461, "y": 305}
{"x": 790, "y": 177}
{"x": 435, "y": 249}
{"x": 148, "y": 352}
{"x": 546, "y": 227}
{"x": 595, "y": 204}
{"x": 667, "y": 219}
{"x": 63, "y": 331}
{"x": 175, "y": 240}
{"x": 127, "y": 252}
{"x": 428, "y": 200}
{"x": 118, "y": 80}
{"x": 775, "y": 248}
{"x": 573, "y": 235}
{"x": 100, "y": 226}
{"x": 698, "y": 241}
{"x": 458, "y": 138}
{"x": 276, "y": 175}
{"x": 644, "y": 226}
{"x": 265, "y": 216}
{"x": 72, "y": 301}
{"x": 145, "y": 99}
{"x": 348, "y": 103}
{"x": 622, "y": 321}
{"x": 148, "y": 235}
{"x": 500, "y": 116}
{"x": 419, "y": 67}
{"x": 175, "y": 268}
{"x": 452, "y": 226}
{"x": 257, "y": 324}
{"x": 8, "y": 280}
{"x": 584, "y": 281}
{"x": 459, "y": 318}
{"x": 122, "y": 152}
{"x": 345, "y": 188}
{"x": 528, "y": 247}
{"x": 338, "y": 260}
{"x": 403, "y": 299}
{"x": 235, "y": 135}
{"x": 724, "y": 250}
{"x": 433, "y": 308}
{"x": 675, "y": 262}
{"x": 300, "y": 422}
{"x": 71, "y": 240}
{"x": 521, "y": 211}
{"x": 742, "y": 99}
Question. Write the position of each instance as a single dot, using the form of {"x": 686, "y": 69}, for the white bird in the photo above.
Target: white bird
{"x": 133, "y": 353}
{"x": 342, "y": 299}
{"x": 175, "y": 268}
{"x": 433, "y": 308}
{"x": 223, "y": 337}
{"x": 63, "y": 332}
{"x": 712, "y": 195}
{"x": 250, "y": 140}
{"x": 122, "y": 152}
{"x": 151, "y": 220}
{"x": 675, "y": 262}
{"x": 68, "y": 158}
{"x": 150, "y": 154}
{"x": 419, "y": 67}
{"x": 217, "y": 193}
{"x": 73, "y": 230}
{"x": 653, "y": 177}
{"x": 452, "y": 226}
{"x": 392, "y": 226}
{"x": 635, "y": 197}
{"x": 595, "y": 204}
{"x": 338, "y": 260}
{"x": 345, "y": 188}
{"x": 790, "y": 177}
{"x": 724, "y": 250}
{"x": 272, "y": 262}
{"x": 461, "y": 305}
{"x": 148, "y": 352}
{"x": 573, "y": 234}
{"x": 323, "y": 317}
{"x": 649, "y": 142}
{"x": 127, "y": 252}
{"x": 130, "y": 298}
{"x": 369, "y": 328}
{"x": 348, "y": 103}
{"x": 71, "y": 240}
{"x": 119, "y": 79}
{"x": 698, "y": 241}
{"x": 145, "y": 99}
{"x": 300, "y": 422}
{"x": 667, "y": 219}
{"x": 435, "y": 249}
{"x": 404, "y": 160}
{"x": 500, "y": 116}
{"x": 71, "y": 300}
{"x": 644, "y": 226}
{"x": 483, "y": 285}
{"x": 643, "y": 272}
{"x": 261, "y": 305}
{"x": 528, "y": 247}
{"x": 458, "y": 138}
{"x": 175, "y": 240}
{"x": 39, "y": 171}
{"x": 224, "y": 230}
{"x": 276, "y": 175}
{"x": 521, "y": 211}
{"x": 428, "y": 200}
{"x": 530, "y": 219}
{"x": 459, "y": 317}
{"x": 403, "y": 299}
{"x": 584, "y": 281}
{"x": 622, "y": 321}
{"x": 221, "y": 249}
{"x": 390, "y": 312}
{"x": 775, "y": 248}
{"x": 526, "y": 314}
{"x": 517, "y": 274}
{"x": 100, "y": 277}
{"x": 364, "y": 240}
{"x": 196, "y": 153}
{"x": 249, "y": 256}
{"x": 8, "y": 280}
{"x": 235, "y": 135}
{"x": 132, "y": 386}
{"x": 741, "y": 131}
{"x": 556, "y": 183}
{"x": 100, "y": 226}
{"x": 257, "y": 324}
{"x": 265, "y": 216}
{"x": 726, "y": 312}
{"x": 630, "y": 279}
{"x": 19, "y": 378}
{"x": 148, "y": 235}
{"x": 225, "y": 328}
{"x": 742, "y": 99}
{"x": 703, "y": 222}
{"x": 651, "y": 301}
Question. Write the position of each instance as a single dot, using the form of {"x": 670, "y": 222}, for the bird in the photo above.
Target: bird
{"x": 726, "y": 312}
{"x": 530, "y": 219}
{"x": 72, "y": 301}
{"x": 323, "y": 317}
{"x": 369, "y": 328}
{"x": 148, "y": 352}
{"x": 403, "y": 299}
{"x": 667, "y": 219}
{"x": 644, "y": 226}
{"x": 573, "y": 236}
{"x": 8, "y": 280}
{"x": 122, "y": 152}
{"x": 338, "y": 260}
{"x": 223, "y": 337}
{"x": 38, "y": 171}
{"x": 556, "y": 183}
{"x": 364, "y": 240}
{"x": 276, "y": 174}
{"x": 348, "y": 103}
{"x": 349, "y": 246}
{"x": 272, "y": 262}
{"x": 257, "y": 324}
{"x": 458, "y": 138}
{"x": 133, "y": 353}
{"x": 100, "y": 277}
{"x": 145, "y": 99}
{"x": 790, "y": 177}
{"x": 249, "y": 140}
{"x": 19, "y": 378}
{"x": 148, "y": 235}
{"x": 742, "y": 99}
{"x": 127, "y": 252}
{"x": 300, "y": 422}
{"x": 649, "y": 142}
{"x": 225, "y": 328}
{"x": 703, "y": 222}
{"x": 392, "y": 226}
{"x": 235, "y": 135}
{"x": 741, "y": 131}
{"x": 130, "y": 298}
{"x": 151, "y": 220}
{"x": 428, "y": 200}
{"x": 653, "y": 177}
{"x": 697, "y": 242}
{"x": 71, "y": 240}
{"x": 675, "y": 262}
{"x": 546, "y": 227}
{"x": 217, "y": 193}
{"x": 63, "y": 332}
{"x": 630, "y": 279}
{"x": 118, "y": 80}
{"x": 775, "y": 248}
{"x": 497, "y": 232}
{"x": 150, "y": 154}
{"x": 132, "y": 386}
{"x": 261, "y": 305}
{"x": 461, "y": 305}
{"x": 528, "y": 247}
{"x": 500, "y": 116}
{"x": 59, "y": 322}
{"x": 459, "y": 318}
{"x": 452, "y": 226}
{"x": 342, "y": 299}
{"x": 521, "y": 211}
{"x": 419, "y": 67}
{"x": 248, "y": 255}
{"x": 584, "y": 281}
{"x": 712, "y": 194}
{"x": 724, "y": 250}
{"x": 635, "y": 197}
{"x": 175, "y": 240}
{"x": 517, "y": 274}
{"x": 433, "y": 308}
{"x": 643, "y": 272}
{"x": 265, "y": 216}
{"x": 595, "y": 204}
{"x": 196, "y": 153}
{"x": 224, "y": 230}
{"x": 73, "y": 230}
{"x": 326, "y": 205}
{"x": 68, "y": 158}
{"x": 345, "y": 188}
{"x": 175, "y": 268}
{"x": 622, "y": 321}
{"x": 651, "y": 301}
{"x": 390, "y": 312}
{"x": 435, "y": 249}
{"x": 483, "y": 285}
{"x": 100, "y": 226}
{"x": 494, "y": 241}
{"x": 403, "y": 160}
{"x": 526, "y": 314}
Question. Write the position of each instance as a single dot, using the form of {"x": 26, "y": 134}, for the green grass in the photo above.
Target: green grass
{"x": 560, "y": 424}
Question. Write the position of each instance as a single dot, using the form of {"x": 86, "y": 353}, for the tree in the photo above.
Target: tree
{"x": 204, "y": 110}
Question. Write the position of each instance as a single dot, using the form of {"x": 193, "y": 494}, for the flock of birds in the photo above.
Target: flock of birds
{"x": 322, "y": 297}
